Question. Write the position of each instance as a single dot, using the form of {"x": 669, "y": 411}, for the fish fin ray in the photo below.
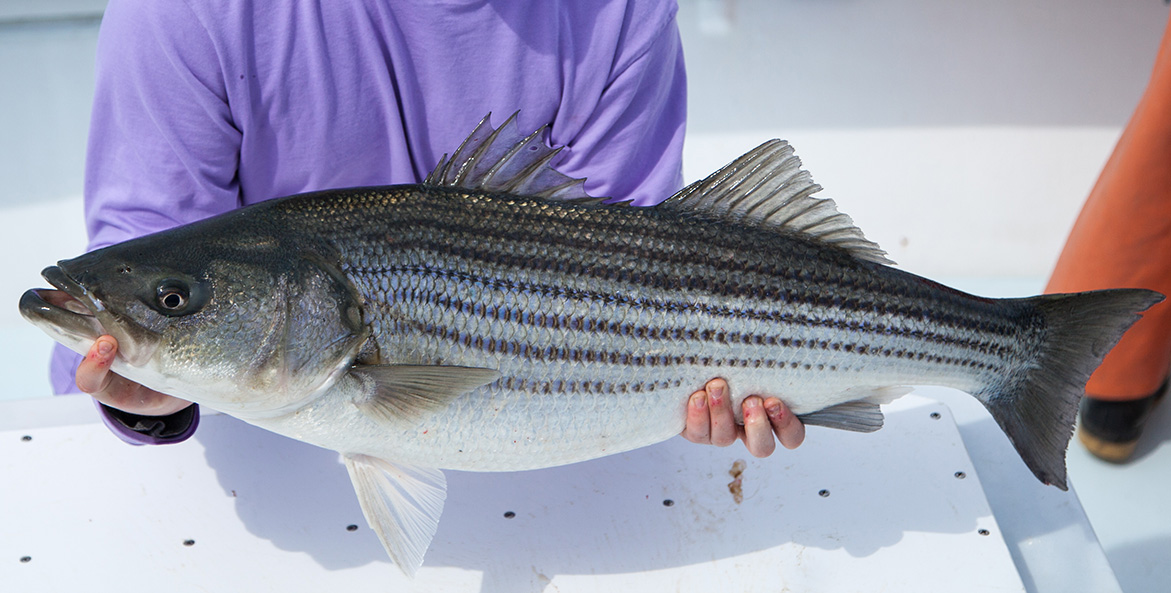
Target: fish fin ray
{"x": 859, "y": 415}
{"x": 402, "y": 504}
{"x": 503, "y": 160}
{"x": 1037, "y": 407}
{"x": 767, "y": 188}
{"x": 406, "y": 391}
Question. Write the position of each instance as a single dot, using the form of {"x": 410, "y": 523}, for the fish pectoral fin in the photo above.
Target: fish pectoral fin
{"x": 860, "y": 415}
{"x": 396, "y": 391}
{"x": 402, "y": 504}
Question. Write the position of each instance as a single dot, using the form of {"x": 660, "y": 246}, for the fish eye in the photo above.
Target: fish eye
{"x": 175, "y": 296}
{"x": 172, "y": 296}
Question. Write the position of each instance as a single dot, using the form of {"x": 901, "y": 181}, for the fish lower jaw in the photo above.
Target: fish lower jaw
{"x": 65, "y": 319}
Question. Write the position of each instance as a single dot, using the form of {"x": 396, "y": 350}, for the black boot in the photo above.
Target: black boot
{"x": 1110, "y": 429}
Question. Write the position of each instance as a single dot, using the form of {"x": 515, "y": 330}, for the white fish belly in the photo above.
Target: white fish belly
{"x": 571, "y": 413}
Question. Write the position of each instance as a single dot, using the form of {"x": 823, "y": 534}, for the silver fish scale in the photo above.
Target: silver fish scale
{"x": 601, "y": 325}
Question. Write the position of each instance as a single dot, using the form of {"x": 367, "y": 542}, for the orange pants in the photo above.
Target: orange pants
{"x": 1122, "y": 238}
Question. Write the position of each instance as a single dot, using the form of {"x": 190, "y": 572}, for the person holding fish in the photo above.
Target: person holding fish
{"x": 494, "y": 316}
{"x": 204, "y": 107}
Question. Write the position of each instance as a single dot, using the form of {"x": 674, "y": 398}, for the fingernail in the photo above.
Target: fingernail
{"x": 717, "y": 394}
{"x": 752, "y": 403}
{"x": 774, "y": 409}
{"x": 699, "y": 401}
{"x": 104, "y": 348}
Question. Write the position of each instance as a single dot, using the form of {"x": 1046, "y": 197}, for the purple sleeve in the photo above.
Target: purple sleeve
{"x": 631, "y": 143}
{"x": 162, "y": 147}
{"x": 151, "y": 430}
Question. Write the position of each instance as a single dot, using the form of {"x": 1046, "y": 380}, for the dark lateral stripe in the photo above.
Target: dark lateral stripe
{"x": 825, "y": 295}
{"x": 585, "y": 324}
{"x": 583, "y": 387}
{"x": 562, "y": 354}
{"x": 438, "y": 218}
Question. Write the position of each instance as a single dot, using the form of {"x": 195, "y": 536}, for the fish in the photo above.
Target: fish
{"x": 496, "y": 317}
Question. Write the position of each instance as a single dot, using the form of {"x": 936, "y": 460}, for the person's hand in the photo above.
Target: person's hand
{"x": 710, "y": 420}
{"x": 95, "y": 378}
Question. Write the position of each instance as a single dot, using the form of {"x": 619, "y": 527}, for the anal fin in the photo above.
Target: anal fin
{"x": 859, "y": 415}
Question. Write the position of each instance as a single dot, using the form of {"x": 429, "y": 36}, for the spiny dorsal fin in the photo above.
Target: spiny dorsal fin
{"x": 502, "y": 160}
{"x": 767, "y": 188}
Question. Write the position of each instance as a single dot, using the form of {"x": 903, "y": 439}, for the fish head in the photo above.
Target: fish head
{"x": 251, "y": 326}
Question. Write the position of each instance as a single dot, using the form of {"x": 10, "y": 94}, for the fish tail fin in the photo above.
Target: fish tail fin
{"x": 1037, "y": 408}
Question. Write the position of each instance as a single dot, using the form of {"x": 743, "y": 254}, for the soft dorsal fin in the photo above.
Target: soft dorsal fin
{"x": 503, "y": 160}
{"x": 767, "y": 188}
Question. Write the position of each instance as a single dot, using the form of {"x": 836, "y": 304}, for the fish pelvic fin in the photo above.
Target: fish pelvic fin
{"x": 1037, "y": 408}
{"x": 504, "y": 160}
{"x": 402, "y": 503}
{"x": 767, "y": 188}
{"x": 408, "y": 391}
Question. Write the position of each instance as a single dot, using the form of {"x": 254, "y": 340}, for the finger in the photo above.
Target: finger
{"x": 758, "y": 429}
{"x": 723, "y": 420}
{"x": 699, "y": 428}
{"x": 128, "y": 396}
{"x": 95, "y": 378}
{"x": 93, "y": 374}
{"x": 788, "y": 428}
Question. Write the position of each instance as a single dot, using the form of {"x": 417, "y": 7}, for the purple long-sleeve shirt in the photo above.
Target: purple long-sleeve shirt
{"x": 203, "y": 106}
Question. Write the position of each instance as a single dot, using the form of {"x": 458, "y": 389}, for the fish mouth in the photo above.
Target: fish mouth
{"x": 67, "y": 312}
{"x": 71, "y": 315}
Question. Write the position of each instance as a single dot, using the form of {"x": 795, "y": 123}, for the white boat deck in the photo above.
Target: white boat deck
{"x": 903, "y": 509}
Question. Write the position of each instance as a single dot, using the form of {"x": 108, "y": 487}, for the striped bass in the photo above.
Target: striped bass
{"x": 495, "y": 318}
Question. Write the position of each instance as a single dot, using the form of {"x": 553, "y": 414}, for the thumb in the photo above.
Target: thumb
{"x": 93, "y": 374}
